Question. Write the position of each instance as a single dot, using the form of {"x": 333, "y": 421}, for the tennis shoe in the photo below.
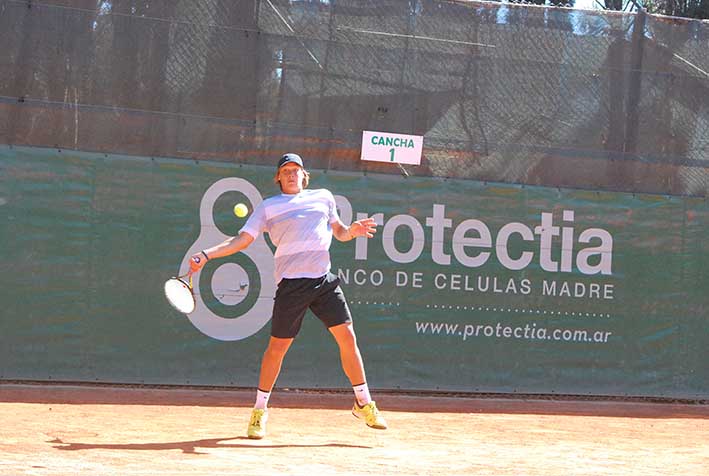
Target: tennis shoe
{"x": 370, "y": 414}
{"x": 257, "y": 424}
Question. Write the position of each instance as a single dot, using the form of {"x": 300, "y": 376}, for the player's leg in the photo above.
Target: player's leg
{"x": 350, "y": 356}
{"x": 364, "y": 407}
{"x": 270, "y": 368}
{"x": 271, "y": 363}
{"x": 289, "y": 308}
{"x": 332, "y": 309}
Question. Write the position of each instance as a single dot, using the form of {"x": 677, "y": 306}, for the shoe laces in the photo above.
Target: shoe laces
{"x": 372, "y": 411}
{"x": 256, "y": 418}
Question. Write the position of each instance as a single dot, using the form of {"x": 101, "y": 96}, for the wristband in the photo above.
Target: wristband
{"x": 205, "y": 255}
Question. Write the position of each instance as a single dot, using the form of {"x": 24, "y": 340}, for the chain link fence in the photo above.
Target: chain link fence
{"x": 501, "y": 92}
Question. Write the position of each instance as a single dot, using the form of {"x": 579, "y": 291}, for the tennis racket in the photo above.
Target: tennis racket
{"x": 179, "y": 293}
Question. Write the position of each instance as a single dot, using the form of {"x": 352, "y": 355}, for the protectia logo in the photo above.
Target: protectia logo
{"x": 473, "y": 244}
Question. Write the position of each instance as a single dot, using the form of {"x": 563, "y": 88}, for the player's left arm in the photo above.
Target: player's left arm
{"x": 364, "y": 227}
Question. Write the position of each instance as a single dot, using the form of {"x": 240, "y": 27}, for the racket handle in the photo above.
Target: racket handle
{"x": 195, "y": 260}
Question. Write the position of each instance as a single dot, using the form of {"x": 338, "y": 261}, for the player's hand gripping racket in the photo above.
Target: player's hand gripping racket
{"x": 179, "y": 293}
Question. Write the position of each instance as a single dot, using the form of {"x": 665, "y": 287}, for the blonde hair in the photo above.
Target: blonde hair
{"x": 306, "y": 178}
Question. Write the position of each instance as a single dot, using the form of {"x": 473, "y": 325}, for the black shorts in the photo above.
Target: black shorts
{"x": 322, "y": 295}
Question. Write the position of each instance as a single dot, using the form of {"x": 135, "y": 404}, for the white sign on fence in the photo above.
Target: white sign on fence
{"x": 391, "y": 147}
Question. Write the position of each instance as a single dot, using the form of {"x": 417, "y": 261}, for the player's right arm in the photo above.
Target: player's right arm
{"x": 225, "y": 248}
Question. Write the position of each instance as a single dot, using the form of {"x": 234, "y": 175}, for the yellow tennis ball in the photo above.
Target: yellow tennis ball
{"x": 240, "y": 210}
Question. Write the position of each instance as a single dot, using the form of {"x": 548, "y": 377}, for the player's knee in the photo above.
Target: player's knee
{"x": 346, "y": 340}
{"x": 278, "y": 347}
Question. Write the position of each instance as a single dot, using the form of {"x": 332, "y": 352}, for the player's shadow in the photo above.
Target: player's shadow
{"x": 189, "y": 447}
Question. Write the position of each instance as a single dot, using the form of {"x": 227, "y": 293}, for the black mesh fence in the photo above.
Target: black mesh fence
{"x": 501, "y": 92}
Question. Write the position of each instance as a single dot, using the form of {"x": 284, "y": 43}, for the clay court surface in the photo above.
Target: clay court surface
{"x": 99, "y": 430}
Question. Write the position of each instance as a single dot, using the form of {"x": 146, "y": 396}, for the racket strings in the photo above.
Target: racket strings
{"x": 179, "y": 294}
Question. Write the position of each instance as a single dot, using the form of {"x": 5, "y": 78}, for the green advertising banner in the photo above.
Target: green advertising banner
{"x": 466, "y": 287}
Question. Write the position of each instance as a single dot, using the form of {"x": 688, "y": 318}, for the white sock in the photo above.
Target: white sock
{"x": 362, "y": 394}
{"x": 261, "y": 399}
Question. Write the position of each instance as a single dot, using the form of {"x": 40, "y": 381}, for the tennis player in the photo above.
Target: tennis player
{"x": 301, "y": 223}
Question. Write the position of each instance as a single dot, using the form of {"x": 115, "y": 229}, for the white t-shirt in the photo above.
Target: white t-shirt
{"x": 300, "y": 227}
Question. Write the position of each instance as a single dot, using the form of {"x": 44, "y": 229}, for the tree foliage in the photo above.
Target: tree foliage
{"x": 676, "y": 8}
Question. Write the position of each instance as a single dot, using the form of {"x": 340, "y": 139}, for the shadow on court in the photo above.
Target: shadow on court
{"x": 189, "y": 447}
